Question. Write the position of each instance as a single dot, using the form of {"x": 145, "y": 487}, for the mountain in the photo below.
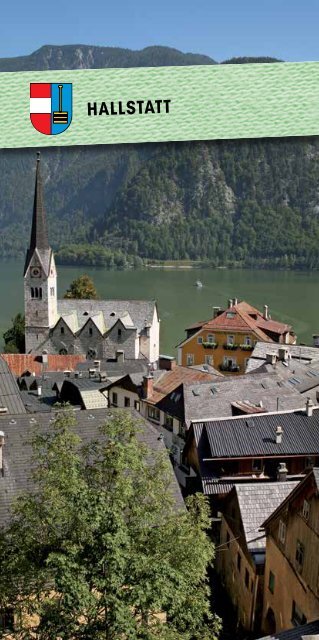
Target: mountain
{"x": 245, "y": 203}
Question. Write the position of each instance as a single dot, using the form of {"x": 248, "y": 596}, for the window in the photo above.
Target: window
{"x": 297, "y": 617}
{"x": 247, "y": 578}
{"x": 238, "y": 562}
{"x": 127, "y": 402}
{"x": 190, "y": 359}
{"x": 119, "y": 333}
{"x": 257, "y": 464}
{"x": 169, "y": 423}
{"x": 63, "y": 352}
{"x": 230, "y": 340}
{"x": 306, "y": 510}
{"x": 271, "y": 582}
{"x": 32, "y": 292}
{"x": 40, "y": 293}
{"x": 154, "y": 413}
{"x": 52, "y": 291}
{"x": 62, "y": 331}
{"x": 300, "y": 553}
{"x": 247, "y": 341}
{"x": 210, "y": 338}
{"x": 230, "y": 314}
{"x": 136, "y": 405}
{"x": 199, "y": 340}
{"x": 114, "y": 399}
{"x": 90, "y": 331}
{"x": 209, "y": 360}
{"x": 7, "y": 620}
{"x": 282, "y": 532}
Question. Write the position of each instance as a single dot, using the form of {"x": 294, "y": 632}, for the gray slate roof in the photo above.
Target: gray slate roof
{"x": 141, "y": 311}
{"x": 301, "y": 353}
{"x": 214, "y": 400}
{"x": 303, "y": 632}
{"x": 257, "y": 501}
{"x": 10, "y": 396}
{"x": 255, "y": 436}
{"x": 17, "y": 453}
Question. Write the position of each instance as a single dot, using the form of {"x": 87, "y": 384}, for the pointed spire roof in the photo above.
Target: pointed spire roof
{"x": 39, "y": 234}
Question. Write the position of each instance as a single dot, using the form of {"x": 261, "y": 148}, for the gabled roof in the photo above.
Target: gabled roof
{"x": 314, "y": 473}
{"x": 18, "y": 456}
{"x": 132, "y": 313}
{"x": 252, "y": 436}
{"x": 170, "y": 380}
{"x": 257, "y": 501}
{"x": 308, "y": 631}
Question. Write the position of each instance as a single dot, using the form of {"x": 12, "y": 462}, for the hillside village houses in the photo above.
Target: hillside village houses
{"x": 237, "y": 412}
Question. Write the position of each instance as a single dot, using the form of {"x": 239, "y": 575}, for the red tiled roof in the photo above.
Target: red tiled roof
{"x": 20, "y": 362}
{"x": 170, "y": 380}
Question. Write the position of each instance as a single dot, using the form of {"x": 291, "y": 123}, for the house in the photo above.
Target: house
{"x": 227, "y": 340}
{"x": 240, "y": 554}
{"x": 308, "y": 631}
{"x": 291, "y": 595}
{"x": 96, "y": 328}
{"x": 251, "y": 448}
{"x": 292, "y": 356}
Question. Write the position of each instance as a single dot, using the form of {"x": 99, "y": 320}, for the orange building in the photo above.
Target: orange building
{"x": 226, "y": 341}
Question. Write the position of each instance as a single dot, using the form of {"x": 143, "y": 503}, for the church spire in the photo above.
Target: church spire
{"x": 39, "y": 233}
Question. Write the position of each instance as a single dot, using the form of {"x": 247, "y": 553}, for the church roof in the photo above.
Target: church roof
{"x": 39, "y": 242}
{"x": 133, "y": 313}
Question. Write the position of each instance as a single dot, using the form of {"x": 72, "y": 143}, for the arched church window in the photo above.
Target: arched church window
{"x": 119, "y": 333}
{"x": 32, "y": 292}
{"x": 63, "y": 352}
{"x": 40, "y": 293}
{"x": 62, "y": 330}
{"x": 52, "y": 291}
{"x": 90, "y": 331}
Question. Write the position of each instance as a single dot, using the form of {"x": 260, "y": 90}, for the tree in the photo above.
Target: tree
{"x": 82, "y": 288}
{"x": 98, "y": 550}
{"x": 14, "y": 337}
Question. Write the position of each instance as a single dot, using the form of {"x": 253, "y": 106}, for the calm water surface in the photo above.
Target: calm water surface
{"x": 292, "y": 296}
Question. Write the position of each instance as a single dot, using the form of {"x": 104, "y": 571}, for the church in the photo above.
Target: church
{"x": 99, "y": 329}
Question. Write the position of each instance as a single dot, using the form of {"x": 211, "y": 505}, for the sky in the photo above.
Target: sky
{"x": 284, "y": 29}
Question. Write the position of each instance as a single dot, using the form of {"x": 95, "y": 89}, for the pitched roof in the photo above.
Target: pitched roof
{"x": 105, "y": 313}
{"x": 170, "y": 380}
{"x": 313, "y": 473}
{"x": 18, "y": 456}
{"x": 252, "y": 436}
{"x": 10, "y": 396}
{"x": 303, "y": 632}
{"x": 257, "y": 501}
{"x": 299, "y": 355}
{"x": 19, "y": 363}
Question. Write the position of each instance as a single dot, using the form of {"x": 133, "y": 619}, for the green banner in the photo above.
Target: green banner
{"x": 112, "y": 106}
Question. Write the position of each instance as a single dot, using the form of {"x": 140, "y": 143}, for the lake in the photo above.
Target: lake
{"x": 292, "y": 296}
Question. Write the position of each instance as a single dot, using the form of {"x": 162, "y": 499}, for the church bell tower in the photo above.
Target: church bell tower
{"x": 40, "y": 277}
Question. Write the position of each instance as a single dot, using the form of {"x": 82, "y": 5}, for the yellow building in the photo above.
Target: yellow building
{"x": 227, "y": 340}
{"x": 291, "y": 593}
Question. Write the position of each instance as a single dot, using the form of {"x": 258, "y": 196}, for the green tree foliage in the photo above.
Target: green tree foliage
{"x": 82, "y": 288}
{"x": 98, "y": 548}
{"x": 14, "y": 337}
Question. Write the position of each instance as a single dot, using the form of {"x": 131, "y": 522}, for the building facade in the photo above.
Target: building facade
{"x": 95, "y": 328}
{"x": 227, "y": 340}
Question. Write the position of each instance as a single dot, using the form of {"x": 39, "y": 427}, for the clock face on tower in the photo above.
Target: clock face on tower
{"x": 35, "y": 272}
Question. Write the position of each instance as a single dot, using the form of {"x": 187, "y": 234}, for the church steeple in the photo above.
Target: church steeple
{"x": 39, "y": 234}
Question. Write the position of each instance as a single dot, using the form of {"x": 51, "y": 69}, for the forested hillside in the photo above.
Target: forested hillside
{"x": 248, "y": 203}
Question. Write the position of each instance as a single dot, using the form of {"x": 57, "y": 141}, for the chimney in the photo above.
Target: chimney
{"x": 315, "y": 338}
{"x": 230, "y": 303}
{"x": 120, "y": 356}
{"x": 235, "y": 301}
{"x": 271, "y": 358}
{"x": 167, "y": 362}
{"x": 279, "y": 432}
{"x": 97, "y": 364}
{"x": 283, "y": 354}
{"x": 216, "y": 312}
{"x": 39, "y": 390}
{"x": 1, "y": 453}
{"x": 265, "y": 311}
{"x": 309, "y": 407}
{"x": 147, "y": 385}
{"x": 282, "y": 472}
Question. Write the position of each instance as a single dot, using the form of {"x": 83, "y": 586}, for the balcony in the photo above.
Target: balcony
{"x": 246, "y": 347}
{"x": 230, "y": 347}
{"x": 210, "y": 345}
{"x": 229, "y": 368}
